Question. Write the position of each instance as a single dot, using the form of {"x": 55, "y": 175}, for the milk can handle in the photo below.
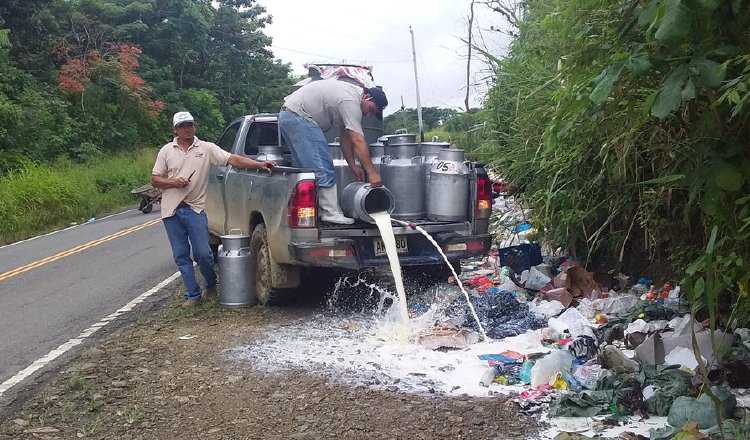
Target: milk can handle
{"x": 235, "y": 229}
{"x": 239, "y": 251}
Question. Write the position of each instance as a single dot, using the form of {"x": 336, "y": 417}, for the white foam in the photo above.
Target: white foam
{"x": 353, "y": 350}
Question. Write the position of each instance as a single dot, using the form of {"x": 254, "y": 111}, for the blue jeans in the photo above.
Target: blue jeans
{"x": 308, "y": 145}
{"x": 186, "y": 229}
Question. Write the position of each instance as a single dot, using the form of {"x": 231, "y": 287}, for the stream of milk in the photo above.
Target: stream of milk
{"x": 455, "y": 275}
{"x": 383, "y": 221}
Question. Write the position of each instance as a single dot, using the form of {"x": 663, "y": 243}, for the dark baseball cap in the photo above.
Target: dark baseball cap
{"x": 378, "y": 97}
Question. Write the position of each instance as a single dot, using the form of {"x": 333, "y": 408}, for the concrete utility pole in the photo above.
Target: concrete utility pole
{"x": 416, "y": 82}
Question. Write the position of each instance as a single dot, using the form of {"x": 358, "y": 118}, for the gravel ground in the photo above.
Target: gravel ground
{"x": 176, "y": 374}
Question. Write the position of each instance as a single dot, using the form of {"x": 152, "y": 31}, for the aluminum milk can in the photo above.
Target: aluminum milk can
{"x": 272, "y": 152}
{"x": 341, "y": 169}
{"x": 236, "y": 284}
{"x": 429, "y": 152}
{"x": 448, "y": 192}
{"x": 402, "y": 174}
{"x": 398, "y": 139}
{"x": 360, "y": 200}
{"x": 376, "y": 154}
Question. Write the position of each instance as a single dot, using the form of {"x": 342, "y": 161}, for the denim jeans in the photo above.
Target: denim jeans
{"x": 308, "y": 145}
{"x": 186, "y": 229}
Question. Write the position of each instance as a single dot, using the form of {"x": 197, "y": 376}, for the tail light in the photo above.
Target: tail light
{"x": 301, "y": 211}
{"x": 483, "y": 209}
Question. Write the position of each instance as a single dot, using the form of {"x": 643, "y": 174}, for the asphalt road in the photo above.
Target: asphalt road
{"x": 55, "y": 286}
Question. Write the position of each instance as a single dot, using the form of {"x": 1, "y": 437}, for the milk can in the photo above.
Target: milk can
{"x": 376, "y": 155}
{"x": 236, "y": 284}
{"x": 272, "y": 152}
{"x": 429, "y": 152}
{"x": 448, "y": 192}
{"x": 360, "y": 200}
{"x": 341, "y": 169}
{"x": 402, "y": 174}
{"x": 399, "y": 139}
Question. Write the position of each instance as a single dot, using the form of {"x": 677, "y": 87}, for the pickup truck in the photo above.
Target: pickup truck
{"x": 290, "y": 249}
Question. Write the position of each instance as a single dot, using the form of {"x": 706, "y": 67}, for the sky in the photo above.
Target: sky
{"x": 377, "y": 34}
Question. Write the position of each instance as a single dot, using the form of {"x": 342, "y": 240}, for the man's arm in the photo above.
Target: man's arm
{"x": 162, "y": 182}
{"x": 245, "y": 162}
{"x": 347, "y": 150}
{"x": 355, "y": 142}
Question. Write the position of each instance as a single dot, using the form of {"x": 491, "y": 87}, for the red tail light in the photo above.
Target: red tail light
{"x": 301, "y": 211}
{"x": 483, "y": 209}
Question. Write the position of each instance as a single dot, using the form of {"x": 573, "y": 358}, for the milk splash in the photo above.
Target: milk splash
{"x": 455, "y": 275}
{"x": 383, "y": 221}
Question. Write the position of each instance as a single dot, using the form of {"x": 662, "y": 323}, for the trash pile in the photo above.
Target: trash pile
{"x": 608, "y": 348}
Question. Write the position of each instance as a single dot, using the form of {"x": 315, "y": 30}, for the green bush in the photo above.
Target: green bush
{"x": 38, "y": 198}
{"x": 625, "y": 123}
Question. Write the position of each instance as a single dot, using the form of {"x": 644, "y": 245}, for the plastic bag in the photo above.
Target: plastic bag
{"x": 544, "y": 369}
{"x": 574, "y": 322}
{"x": 546, "y": 308}
{"x": 589, "y": 374}
{"x": 536, "y": 279}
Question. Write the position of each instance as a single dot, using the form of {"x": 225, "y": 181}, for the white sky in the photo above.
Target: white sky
{"x": 376, "y": 33}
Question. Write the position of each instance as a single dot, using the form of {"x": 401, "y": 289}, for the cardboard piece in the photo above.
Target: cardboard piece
{"x": 580, "y": 283}
{"x": 560, "y": 294}
{"x": 652, "y": 351}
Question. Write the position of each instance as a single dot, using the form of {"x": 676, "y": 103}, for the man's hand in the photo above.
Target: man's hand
{"x": 267, "y": 165}
{"x": 358, "y": 173}
{"x": 180, "y": 182}
{"x": 375, "y": 180}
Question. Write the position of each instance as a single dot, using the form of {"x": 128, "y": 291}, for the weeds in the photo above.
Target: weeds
{"x": 130, "y": 414}
{"x": 38, "y": 198}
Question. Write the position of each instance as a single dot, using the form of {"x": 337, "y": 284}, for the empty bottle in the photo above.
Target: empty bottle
{"x": 489, "y": 376}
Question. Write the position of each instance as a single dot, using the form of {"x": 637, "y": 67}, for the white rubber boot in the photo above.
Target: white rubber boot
{"x": 329, "y": 207}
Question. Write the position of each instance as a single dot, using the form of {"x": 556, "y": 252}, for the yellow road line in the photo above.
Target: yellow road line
{"x": 75, "y": 250}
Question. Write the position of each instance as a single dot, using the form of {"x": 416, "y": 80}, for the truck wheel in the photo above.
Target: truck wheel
{"x": 261, "y": 262}
{"x": 214, "y": 245}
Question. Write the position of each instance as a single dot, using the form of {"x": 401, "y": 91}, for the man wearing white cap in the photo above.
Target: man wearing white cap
{"x": 181, "y": 171}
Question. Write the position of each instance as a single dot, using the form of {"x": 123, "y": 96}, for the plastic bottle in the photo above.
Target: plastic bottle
{"x": 489, "y": 376}
{"x": 573, "y": 383}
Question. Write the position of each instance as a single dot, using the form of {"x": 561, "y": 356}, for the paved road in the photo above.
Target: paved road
{"x": 55, "y": 286}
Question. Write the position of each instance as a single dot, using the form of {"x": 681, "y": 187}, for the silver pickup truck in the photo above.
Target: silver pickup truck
{"x": 291, "y": 249}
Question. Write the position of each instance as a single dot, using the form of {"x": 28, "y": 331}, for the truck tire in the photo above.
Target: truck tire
{"x": 432, "y": 274}
{"x": 261, "y": 263}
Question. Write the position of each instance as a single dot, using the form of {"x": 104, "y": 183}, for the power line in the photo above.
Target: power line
{"x": 339, "y": 59}
{"x": 346, "y": 35}
{"x": 377, "y": 21}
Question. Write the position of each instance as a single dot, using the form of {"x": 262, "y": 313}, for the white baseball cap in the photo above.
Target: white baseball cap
{"x": 181, "y": 117}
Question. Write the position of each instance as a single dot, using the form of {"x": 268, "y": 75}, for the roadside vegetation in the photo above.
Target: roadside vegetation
{"x": 625, "y": 126}
{"x": 40, "y": 197}
{"x": 86, "y": 84}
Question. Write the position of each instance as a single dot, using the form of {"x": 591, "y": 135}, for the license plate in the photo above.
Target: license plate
{"x": 401, "y": 246}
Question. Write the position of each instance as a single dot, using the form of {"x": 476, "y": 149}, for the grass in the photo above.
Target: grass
{"x": 40, "y": 198}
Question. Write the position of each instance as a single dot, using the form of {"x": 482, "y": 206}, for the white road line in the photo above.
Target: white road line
{"x": 65, "y": 229}
{"x": 54, "y": 354}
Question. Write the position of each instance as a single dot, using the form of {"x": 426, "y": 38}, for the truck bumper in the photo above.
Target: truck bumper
{"x": 359, "y": 253}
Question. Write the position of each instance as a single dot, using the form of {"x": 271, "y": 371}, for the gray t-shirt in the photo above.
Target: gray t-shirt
{"x": 329, "y": 103}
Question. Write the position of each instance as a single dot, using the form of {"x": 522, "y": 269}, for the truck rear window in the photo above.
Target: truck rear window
{"x": 261, "y": 133}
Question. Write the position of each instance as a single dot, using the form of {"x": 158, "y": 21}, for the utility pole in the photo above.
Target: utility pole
{"x": 416, "y": 82}
{"x": 468, "y": 58}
